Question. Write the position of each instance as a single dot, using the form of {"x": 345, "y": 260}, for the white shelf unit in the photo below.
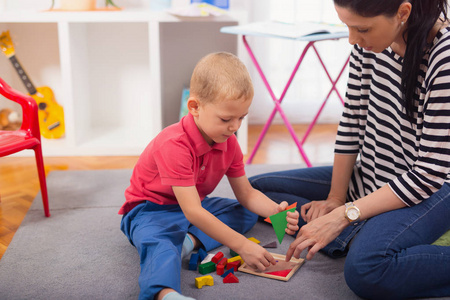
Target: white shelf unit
{"x": 118, "y": 75}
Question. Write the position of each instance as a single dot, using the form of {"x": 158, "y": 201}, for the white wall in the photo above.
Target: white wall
{"x": 276, "y": 56}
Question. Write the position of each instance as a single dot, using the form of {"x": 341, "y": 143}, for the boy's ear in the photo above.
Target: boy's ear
{"x": 193, "y": 105}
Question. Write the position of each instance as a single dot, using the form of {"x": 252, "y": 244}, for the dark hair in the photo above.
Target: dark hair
{"x": 424, "y": 15}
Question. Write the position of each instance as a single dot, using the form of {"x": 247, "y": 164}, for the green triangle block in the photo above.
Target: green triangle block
{"x": 279, "y": 223}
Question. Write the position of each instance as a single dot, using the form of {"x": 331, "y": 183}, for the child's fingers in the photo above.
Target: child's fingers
{"x": 282, "y": 206}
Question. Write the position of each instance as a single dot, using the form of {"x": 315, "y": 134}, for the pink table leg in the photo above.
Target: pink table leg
{"x": 277, "y": 102}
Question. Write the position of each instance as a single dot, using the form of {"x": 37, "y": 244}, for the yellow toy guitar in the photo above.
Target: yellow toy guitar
{"x": 51, "y": 114}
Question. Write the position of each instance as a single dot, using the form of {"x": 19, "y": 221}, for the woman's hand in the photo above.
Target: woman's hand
{"x": 318, "y": 233}
{"x": 315, "y": 209}
{"x": 255, "y": 256}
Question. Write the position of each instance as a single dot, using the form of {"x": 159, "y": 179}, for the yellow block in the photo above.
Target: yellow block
{"x": 204, "y": 280}
{"x": 235, "y": 258}
{"x": 254, "y": 240}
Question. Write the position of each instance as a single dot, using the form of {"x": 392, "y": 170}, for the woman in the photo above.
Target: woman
{"x": 387, "y": 196}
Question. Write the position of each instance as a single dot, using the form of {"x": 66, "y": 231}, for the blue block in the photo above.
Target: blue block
{"x": 202, "y": 254}
{"x": 227, "y": 272}
{"x": 193, "y": 262}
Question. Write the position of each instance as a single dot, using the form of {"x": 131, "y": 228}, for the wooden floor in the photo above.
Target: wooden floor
{"x": 19, "y": 182}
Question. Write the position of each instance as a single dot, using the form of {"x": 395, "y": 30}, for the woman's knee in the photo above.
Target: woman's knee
{"x": 369, "y": 277}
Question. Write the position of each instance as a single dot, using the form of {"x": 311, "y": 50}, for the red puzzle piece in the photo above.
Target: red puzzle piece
{"x": 282, "y": 273}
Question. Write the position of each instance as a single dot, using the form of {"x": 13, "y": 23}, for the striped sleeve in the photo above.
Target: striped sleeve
{"x": 431, "y": 168}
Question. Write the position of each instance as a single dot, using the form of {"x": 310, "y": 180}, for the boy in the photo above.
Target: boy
{"x": 167, "y": 212}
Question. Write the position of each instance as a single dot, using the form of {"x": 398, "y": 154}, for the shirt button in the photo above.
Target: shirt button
{"x": 202, "y": 168}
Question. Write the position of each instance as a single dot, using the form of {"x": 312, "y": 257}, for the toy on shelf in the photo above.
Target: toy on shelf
{"x": 83, "y": 5}
{"x": 9, "y": 119}
{"x": 51, "y": 114}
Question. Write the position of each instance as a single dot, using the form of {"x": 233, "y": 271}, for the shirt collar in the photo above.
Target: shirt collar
{"x": 196, "y": 138}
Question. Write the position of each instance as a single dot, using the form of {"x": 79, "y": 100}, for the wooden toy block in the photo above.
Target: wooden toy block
{"x": 217, "y": 257}
{"x": 204, "y": 280}
{"x": 235, "y": 265}
{"x": 254, "y": 240}
{"x": 235, "y": 259}
{"x": 227, "y": 272}
{"x": 193, "y": 262}
{"x": 223, "y": 261}
{"x": 271, "y": 245}
{"x": 231, "y": 278}
{"x": 207, "y": 258}
{"x": 202, "y": 254}
{"x": 207, "y": 268}
{"x": 233, "y": 254}
{"x": 220, "y": 269}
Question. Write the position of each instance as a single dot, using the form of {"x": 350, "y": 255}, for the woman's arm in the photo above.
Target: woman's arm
{"x": 321, "y": 231}
{"x": 342, "y": 171}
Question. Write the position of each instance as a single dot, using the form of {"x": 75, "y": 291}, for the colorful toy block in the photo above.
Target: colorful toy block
{"x": 207, "y": 268}
{"x": 254, "y": 240}
{"x": 217, "y": 257}
{"x": 227, "y": 272}
{"x": 204, "y": 280}
{"x": 207, "y": 258}
{"x": 193, "y": 262}
{"x": 233, "y": 254}
{"x": 202, "y": 254}
{"x": 235, "y": 265}
{"x": 223, "y": 261}
{"x": 235, "y": 259}
{"x": 220, "y": 269}
{"x": 231, "y": 278}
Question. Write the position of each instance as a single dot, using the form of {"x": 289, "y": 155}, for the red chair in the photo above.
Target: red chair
{"x": 27, "y": 137}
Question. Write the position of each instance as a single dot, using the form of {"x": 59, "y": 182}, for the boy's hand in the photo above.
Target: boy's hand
{"x": 291, "y": 217}
{"x": 255, "y": 256}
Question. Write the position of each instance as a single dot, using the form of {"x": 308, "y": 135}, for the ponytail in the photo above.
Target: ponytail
{"x": 424, "y": 15}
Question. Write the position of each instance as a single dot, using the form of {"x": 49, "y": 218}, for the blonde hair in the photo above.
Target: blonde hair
{"x": 221, "y": 76}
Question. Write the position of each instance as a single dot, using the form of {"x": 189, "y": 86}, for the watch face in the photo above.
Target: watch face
{"x": 353, "y": 214}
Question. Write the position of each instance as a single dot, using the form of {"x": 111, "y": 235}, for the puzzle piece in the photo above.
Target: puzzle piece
{"x": 271, "y": 245}
{"x": 204, "y": 280}
{"x": 287, "y": 208}
{"x": 279, "y": 223}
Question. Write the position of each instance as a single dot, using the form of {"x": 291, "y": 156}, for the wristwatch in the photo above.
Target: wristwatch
{"x": 352, "y": 213}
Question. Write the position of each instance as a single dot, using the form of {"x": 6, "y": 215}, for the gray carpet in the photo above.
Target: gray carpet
{"x": 80, "y": 252}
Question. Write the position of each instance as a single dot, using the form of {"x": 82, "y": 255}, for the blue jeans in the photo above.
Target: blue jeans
{"x": 390, "y": 256}
{"x": 158, "y": 232}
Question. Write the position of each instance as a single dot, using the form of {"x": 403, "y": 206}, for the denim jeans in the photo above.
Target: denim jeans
{"x": 158, "y": 231}
{"x": 390, "y": 256}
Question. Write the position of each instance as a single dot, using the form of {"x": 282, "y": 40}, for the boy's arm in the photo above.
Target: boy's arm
{"x": 258, "y": 203}
{"x": 254, "y": 255}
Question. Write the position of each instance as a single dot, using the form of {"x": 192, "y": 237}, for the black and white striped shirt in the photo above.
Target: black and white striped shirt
{"x": 414, "y": 159}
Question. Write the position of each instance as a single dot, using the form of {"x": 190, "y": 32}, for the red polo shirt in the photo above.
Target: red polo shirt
{"x": 180, "y": 156}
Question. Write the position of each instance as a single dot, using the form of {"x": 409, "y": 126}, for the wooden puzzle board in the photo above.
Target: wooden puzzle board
{"x": 293, "y": 265}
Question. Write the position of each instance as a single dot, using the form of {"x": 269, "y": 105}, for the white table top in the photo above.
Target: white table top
{"x": 305, "y": 31}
